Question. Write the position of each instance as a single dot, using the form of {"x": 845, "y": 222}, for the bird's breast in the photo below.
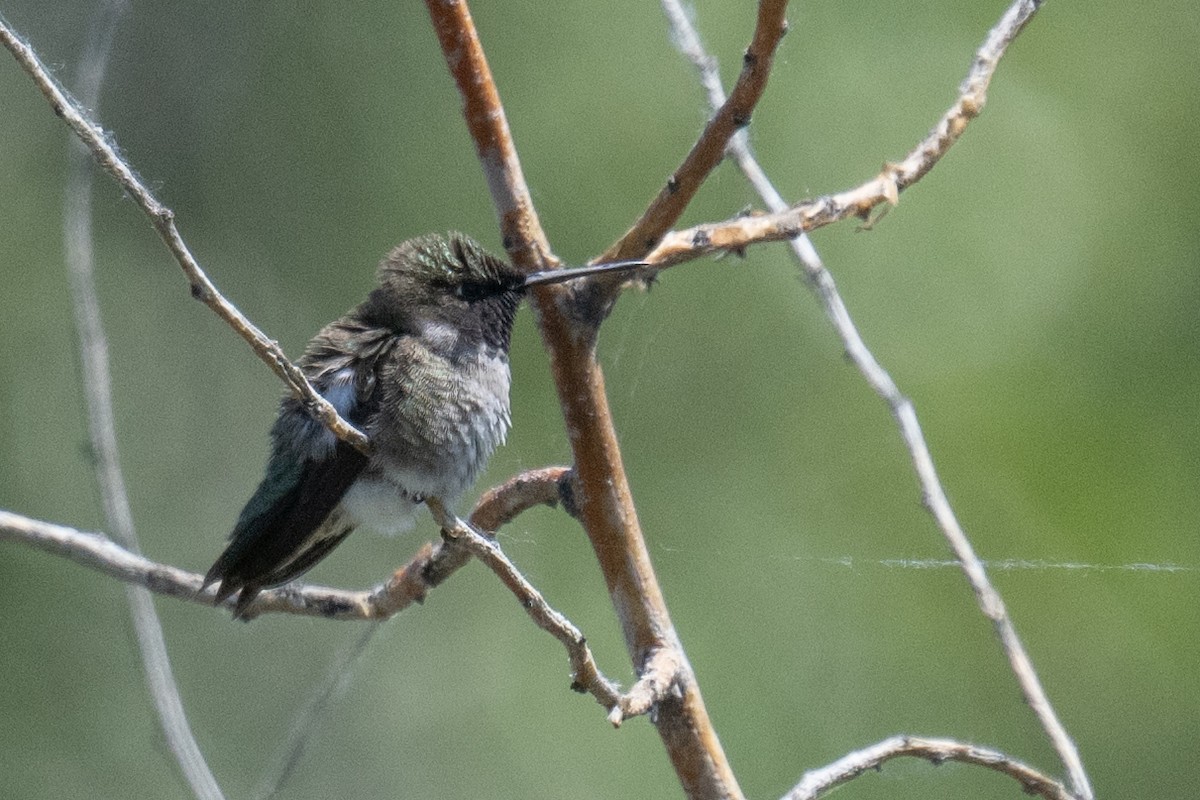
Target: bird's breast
{"x": 439, "y": 419}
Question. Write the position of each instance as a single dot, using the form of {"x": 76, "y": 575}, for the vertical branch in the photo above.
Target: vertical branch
{"x": 97, "y": 386}
{"x": 606, "y": 504}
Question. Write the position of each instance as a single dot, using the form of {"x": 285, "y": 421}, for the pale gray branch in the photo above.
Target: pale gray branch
{"x": 972, "y": 96}
{"x": 97, "y": 387}
{"x": 936, "y": 751}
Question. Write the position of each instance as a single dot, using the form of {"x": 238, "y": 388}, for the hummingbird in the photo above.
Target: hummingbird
{"x": 421, "y": 367}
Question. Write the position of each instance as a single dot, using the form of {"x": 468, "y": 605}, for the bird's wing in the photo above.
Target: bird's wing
{"x": 289, "y": 524}
{"x": 292, "y": 521}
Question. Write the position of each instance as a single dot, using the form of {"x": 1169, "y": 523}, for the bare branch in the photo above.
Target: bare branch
{"x": 97, "y": 387}
{"x": 407, "y": 585}
{"x": 586, "y": 675}
{"x": 487, "y": 123}
{"x": 919, "y": 162}
{"x": 732, "y": 116}
{"x": 604, "y": 501}
{"x": 936, "y": 751}
{"x": 740, "y": 232}
{"x": 105, "y": 153}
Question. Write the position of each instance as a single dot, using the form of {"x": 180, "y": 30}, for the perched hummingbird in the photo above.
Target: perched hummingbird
{"x": 421, "y": 367}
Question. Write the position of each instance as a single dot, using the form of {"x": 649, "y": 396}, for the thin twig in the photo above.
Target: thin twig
{"x": 731, "y": 116}
{"x": 407, "y": 585}
{"x": 586, "y": 676}
{"x": 784, "y": 223}
{"x": 602, "y": 492}
{"x": 936, "y": 751}
{"x": 821, "y": 282}
{"x": 97, "y": 387}
{"x": 106, "y": 154}
{"x": 336, "y": 680}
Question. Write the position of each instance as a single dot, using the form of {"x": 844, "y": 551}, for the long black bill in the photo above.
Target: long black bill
{"x": 560, "y": 275}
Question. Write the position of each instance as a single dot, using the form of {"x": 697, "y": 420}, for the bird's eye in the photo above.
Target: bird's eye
{"x": 470, "y": 291}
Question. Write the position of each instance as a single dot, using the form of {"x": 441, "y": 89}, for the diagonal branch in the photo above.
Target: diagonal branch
{"x": 732, "y": 116}
{"x": 106, "y": 154}
{"x": 586, "y": 675}
{"x": 786, "y": 223}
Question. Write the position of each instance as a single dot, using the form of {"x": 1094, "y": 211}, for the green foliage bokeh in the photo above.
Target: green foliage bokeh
{"x": 1035, "y": 295}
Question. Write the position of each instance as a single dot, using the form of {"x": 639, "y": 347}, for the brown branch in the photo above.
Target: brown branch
{"x": 740, "y": 232}
{"x": 936, "y": 751}
{"x": 522, "y": 233}
{"x": 162, "y": 218}
{"x": 733, "y": 116}
{"x": 602, "y": 489}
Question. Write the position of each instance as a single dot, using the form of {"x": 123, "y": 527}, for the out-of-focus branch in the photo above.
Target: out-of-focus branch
{"x": 919, "y": 162}
{"x": 97, "y": 388}
{"x": 602, "y": 493}
{"x": 732, "y": 116}
{"x": 105, "y": 153}
{"x": 936, "y": 751}
{"x": 781, "y": 224}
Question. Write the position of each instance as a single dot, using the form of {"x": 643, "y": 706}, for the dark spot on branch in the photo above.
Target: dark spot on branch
{"x": 333, "y": 606}
{"x": 701, "y": 239}
{"x": 672, "y": 185}
{"x": 567, "y": 493}
{"x": 578, "y": 687}
{"x": 199, "y": 293}
{"x": 58, "y": 109}
{"x": 507, "y": 243}
{"x": 741, "y": 119}
{"x": 750, "y": 60}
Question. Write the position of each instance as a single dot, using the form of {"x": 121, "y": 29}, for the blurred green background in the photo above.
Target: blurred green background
{"x": 1035, "y": 295}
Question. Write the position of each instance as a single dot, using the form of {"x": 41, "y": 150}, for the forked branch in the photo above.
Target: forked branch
{"x": 604, "y": 501}
{"x": 736, "y": 234}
